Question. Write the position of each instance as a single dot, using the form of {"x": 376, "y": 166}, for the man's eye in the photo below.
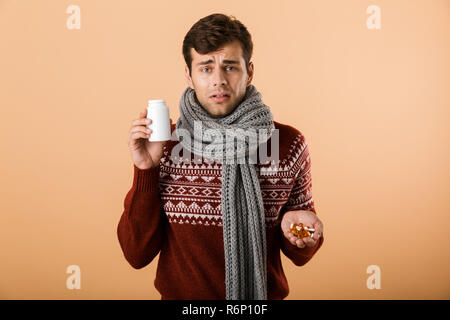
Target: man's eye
{"x": 205, "y": 68}
{"x": 230, "y": 67}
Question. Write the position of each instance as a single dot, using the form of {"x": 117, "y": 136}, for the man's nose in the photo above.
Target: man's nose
{"x": 219, "y": 77}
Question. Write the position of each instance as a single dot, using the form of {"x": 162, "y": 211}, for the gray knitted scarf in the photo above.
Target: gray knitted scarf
{"x": 244, "y": 232}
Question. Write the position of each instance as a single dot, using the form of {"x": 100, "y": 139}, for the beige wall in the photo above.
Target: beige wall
{"x": 372, "y": 104}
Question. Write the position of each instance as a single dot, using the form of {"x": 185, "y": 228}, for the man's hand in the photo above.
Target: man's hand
{"x": 145, "y": 154}
{"x": 308, "y": 219}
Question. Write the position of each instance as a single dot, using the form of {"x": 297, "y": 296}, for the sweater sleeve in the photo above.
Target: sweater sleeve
{"x": 141, "y": 226}
{"x": 300, "y": 198}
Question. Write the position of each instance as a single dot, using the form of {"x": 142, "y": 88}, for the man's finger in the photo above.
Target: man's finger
{"x": 300, "y": 243}
{"x": 317, "y": 236}
{"x": 319, "y": 229}
{"x": 287, "y": 234}
{"x": 309, "y": 242}
{"x": 292, "y": 239}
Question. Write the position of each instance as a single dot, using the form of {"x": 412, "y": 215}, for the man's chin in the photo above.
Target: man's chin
{"x": 221, "y": 113}
{"x": 218, "y": 112}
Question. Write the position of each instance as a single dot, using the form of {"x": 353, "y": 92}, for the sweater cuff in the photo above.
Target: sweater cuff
{"x": 146, "y": 180}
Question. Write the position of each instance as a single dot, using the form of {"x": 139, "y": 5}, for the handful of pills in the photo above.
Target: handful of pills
{"x": 301, "y": 231}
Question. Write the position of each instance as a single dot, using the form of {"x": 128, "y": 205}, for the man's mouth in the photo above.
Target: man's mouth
{"x": 220, "y": 97}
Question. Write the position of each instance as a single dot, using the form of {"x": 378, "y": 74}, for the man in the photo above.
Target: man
{"x": 219, "y": 223}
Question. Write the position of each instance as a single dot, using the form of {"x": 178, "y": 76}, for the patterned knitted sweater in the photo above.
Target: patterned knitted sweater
{"x": 175, "y": 210}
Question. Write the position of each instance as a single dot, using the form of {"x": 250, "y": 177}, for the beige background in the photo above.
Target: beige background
{"x": 372, "y": 104}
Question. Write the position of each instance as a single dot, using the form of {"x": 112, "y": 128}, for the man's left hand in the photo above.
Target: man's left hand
{"x": 308, "y": 219}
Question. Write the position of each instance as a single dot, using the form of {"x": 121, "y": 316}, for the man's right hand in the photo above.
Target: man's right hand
{"x": 145, "y": 154}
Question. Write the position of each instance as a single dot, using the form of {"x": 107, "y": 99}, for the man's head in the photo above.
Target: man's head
{"x": 217, "y": 50}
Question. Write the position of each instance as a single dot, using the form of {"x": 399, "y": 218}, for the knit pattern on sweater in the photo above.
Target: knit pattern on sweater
{"x": 191, "y": 193}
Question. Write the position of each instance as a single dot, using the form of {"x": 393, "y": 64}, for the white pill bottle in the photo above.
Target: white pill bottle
{"x": 158, "y": 112}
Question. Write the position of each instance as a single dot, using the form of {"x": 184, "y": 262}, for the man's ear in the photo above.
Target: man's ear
{"x": 250, "y": 73}
{"x": 188, "y": 77}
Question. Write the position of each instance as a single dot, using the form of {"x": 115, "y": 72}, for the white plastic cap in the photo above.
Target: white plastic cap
{"x": 156, "y": 101}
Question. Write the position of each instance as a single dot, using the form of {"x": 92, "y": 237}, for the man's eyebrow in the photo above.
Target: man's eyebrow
{"x": 211, "y": 61}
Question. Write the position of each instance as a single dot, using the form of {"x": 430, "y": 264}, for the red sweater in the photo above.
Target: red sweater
{"x": 175, "y": 210}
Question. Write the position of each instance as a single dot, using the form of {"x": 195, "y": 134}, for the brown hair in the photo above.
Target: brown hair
{"x": 214, "y": 31}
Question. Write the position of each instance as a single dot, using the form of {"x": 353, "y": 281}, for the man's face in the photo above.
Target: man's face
{"x": 219, "y": 72}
